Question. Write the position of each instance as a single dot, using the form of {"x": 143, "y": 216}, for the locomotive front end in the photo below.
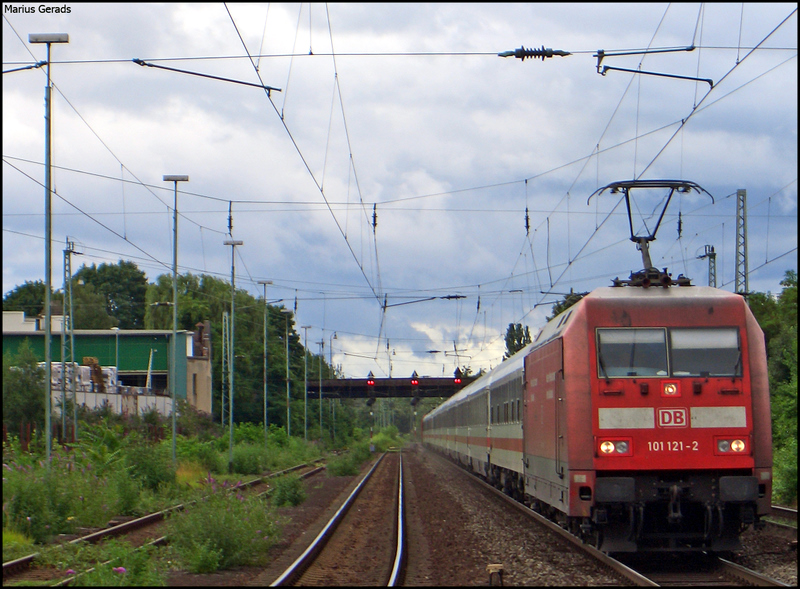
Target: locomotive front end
{"x": 677, "y": 432}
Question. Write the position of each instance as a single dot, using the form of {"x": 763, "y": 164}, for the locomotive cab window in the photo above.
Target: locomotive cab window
{"x": 706, "y": 352}
{"x": 631, "y": 352}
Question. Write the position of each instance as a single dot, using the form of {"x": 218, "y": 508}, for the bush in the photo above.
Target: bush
{"x": 151, "y": 464}
{"x": 126, "y": 567}
{"x": 40, "y": 503}
{"x": 223, "y": 528}
{"x": 288, "y": 490}
{"x": 249, "y": 459}
{"x": 784, "y": 490}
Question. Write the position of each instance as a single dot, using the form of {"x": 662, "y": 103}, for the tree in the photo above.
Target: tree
{"x": 29, "y": 298}
{"x": 778, "y": 319}
{"x": 89, "y": 309}
{"x": 23, "y": 388}
{"x": 123, "y": 287}
{"x": 565, "y": 303}
{"x": 517, "y": 338}
{"x": 206, "y": 298}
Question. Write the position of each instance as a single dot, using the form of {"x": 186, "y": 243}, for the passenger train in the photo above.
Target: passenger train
{"x": 639, "y": 418}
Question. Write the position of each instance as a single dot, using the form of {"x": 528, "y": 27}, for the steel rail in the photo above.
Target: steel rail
{"x": 13, "y": 566}
{"x": 310, "y": 553}
{"x": 747, "y": 576}
{"x": 784, "y": 512}
{"x": 400, "y": 553}
{"x": 734, "y": 570}
{"x": 627, "y": 572}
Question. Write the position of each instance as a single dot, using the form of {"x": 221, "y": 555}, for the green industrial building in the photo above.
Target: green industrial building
{"x": 141, "y": 357}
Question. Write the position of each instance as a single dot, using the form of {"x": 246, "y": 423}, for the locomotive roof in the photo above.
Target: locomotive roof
{"x": 554, "y": 327}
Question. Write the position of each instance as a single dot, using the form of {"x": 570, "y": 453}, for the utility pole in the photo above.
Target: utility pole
{"x": 321, "y": 358}
{"x": 741, "y": 243}
{"x": 233, "y": 243}
{"x": 173, "y": 374}
{"x": 49, "y": 39}
{"x": 712, "y": 265}
{"x": 226, "y": 361}
{"x": 68, "y": 344}
{"x": 265, "y": 283}
{"x": 305, "y": 382}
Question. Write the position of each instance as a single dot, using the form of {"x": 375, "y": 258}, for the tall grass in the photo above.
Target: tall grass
{"x": 223, "y": 530}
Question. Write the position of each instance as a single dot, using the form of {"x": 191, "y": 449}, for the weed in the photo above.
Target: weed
{"x": 224, "y": 524}
{"x": 288, "y": 489}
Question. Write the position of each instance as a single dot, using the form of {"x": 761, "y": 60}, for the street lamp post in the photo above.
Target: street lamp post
{"x": 49, "y": 39}
{"x": 265, "y": 283}
{"x": 233, "y": 243}
{"x": 174, "y": 364}
{"x": 321, "y": 359}
{"x": 287, "y": 313}
{"x": 333, "y": 404}
{"x": 116, "y": 358}
{"x": 305, "y": 381}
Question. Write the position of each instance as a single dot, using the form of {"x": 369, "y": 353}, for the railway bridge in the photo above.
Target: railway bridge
{"x": 371, "y": 388}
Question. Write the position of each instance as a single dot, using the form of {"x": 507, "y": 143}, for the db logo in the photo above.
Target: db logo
{"x": 672, "y": 418}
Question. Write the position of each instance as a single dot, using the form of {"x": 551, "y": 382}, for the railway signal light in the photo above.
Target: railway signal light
{"x": 414, "y": 379}
{"x": 370, "y": 379}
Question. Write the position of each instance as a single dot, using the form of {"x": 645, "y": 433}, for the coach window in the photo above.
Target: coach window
{"x": 706, "y": 352}
{"x": 631, "y": 352}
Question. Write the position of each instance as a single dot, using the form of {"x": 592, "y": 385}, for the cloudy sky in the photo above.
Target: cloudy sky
{"x": 382, "y": 185}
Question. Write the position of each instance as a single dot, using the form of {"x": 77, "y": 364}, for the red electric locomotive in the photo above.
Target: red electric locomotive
{"x": 639, "y": 418}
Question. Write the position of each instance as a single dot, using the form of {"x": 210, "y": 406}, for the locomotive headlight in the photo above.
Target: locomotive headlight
{"x": 731, "y": 446}
{"x": 607, "y": 447}
{"x": 671, "y": 390}
{"x": 615, "y": 447}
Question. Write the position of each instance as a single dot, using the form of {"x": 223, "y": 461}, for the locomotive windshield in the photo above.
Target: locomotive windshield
{"x": 706, "y": 352}
{"x": 632, "y": 352}
{"x": 693, "y": 352}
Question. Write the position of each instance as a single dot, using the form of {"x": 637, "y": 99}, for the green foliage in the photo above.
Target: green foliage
{"x": 778, "y": 319}
{"x": 16, "y": 545}
{"x": 565, "y": 303}
{"x": 28, "y": 298}
{"x": 223, "y": 528}
{"x": 89, "y": 308}
{"x": 202, "y": 558}
{"x": 151, "y": 464}
{"x": 204, "y": 453}
{"x": 249, "y": 459}
{"x": 784, "y": 476}
{"x": 289, "y": 490}
{"x": 277, "y": 436}
{"x": 248, "y": 433}
{"x": 23, "y": 388}
{"x": 517, "y": 338}
{"x": 115, "y": 563}
{"x": 39, "y": 502}
{"x": 123, "y": 287}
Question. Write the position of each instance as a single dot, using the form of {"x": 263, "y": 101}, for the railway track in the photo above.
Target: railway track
{"x": 648, "y": 571}
{"x": 144, "y": 530}
{"x": 708, "y": 570}
{"x": 363, "y": 543}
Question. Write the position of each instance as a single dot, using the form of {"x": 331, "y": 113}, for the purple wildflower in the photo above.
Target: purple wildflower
{"x": 120, "y": 570}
